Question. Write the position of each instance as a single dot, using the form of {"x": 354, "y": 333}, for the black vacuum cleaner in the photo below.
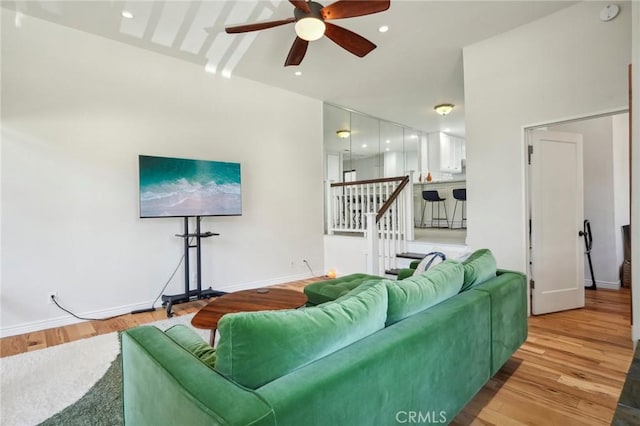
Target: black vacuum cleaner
{"x": 588, "y": 243}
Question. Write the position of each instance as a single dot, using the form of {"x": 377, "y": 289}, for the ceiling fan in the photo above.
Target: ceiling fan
{"x": 311, "y": 24}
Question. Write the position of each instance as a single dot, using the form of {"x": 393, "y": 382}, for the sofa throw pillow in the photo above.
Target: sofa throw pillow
{"x": 431, "y": 259}
{"x": 258, "y": 347}
{"x": 419, "y": 292}
{"x": 478, "y": 268}
{"x": 192, "y": 342}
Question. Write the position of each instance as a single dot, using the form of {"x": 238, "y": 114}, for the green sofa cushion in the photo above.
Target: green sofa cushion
{"x": 326, "y": 291}
{"x": 422, "y": 291}
{"x": 258, "y": 347}
{"x": 189, "y": 339}
{"x": 478, "y": 268}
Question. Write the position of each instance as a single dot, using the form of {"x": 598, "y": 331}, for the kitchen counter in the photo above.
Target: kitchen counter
{"x": 463, "y": 181}
{"x": 445, "y": 190}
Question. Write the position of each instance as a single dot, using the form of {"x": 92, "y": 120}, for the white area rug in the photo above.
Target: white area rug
{"x": 36, "y": 385}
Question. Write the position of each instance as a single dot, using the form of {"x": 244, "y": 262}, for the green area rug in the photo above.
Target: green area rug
{"x": 100, "y": 406}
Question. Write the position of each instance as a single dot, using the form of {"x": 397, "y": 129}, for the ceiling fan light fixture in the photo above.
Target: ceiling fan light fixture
{"x": 443, "y": 109}
{"x": 343, "y": 134}
{"x": 310, "y": 28}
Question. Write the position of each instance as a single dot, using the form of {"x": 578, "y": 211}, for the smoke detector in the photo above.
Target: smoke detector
{"x": 609, "y": 12}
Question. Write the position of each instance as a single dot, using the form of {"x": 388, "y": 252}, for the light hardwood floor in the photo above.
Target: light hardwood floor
{"x": 569, "y": 372}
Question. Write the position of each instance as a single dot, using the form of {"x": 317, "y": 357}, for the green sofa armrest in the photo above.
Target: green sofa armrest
{"x": 509, "y": 328}
{"x": 162, "y": 383}
{"x": 329, "y": 290}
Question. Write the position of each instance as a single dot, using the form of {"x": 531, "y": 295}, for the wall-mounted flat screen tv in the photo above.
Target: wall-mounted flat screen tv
{"x": 179, "y": 187}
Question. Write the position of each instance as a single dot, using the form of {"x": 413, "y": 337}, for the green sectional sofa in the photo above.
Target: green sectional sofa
{"x": 382, "y": 353}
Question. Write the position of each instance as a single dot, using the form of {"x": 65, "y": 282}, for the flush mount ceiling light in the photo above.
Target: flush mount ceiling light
{"x": 443, "y": 109}
{"x": 343, "y": 134}
{"x": 127, "y": 14}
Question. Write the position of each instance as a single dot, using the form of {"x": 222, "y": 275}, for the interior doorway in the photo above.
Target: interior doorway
{"x": 606, "y": 191}
{"x": 555, "y": 164}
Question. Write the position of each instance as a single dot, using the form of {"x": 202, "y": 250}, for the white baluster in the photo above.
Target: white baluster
{"x": 373, "y": 257}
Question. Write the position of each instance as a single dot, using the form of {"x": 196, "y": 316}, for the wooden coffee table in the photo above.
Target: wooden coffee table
{"x": 262, "y": 299}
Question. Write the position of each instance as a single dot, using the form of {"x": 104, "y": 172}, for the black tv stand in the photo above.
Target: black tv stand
{"x": 197, "y": 293}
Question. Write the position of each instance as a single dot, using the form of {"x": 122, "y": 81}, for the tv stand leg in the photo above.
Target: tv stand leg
{"x": 169, "y": 306}
{"x": 209, "y": 293}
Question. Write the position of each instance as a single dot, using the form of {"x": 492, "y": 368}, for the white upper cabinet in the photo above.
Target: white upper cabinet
{"x": 446, "y": 152}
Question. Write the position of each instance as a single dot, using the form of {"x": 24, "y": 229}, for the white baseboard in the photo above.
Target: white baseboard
{"x": 61, "y": 321}
{"x": 264, "y": 283}
{"x": 609, "y": 285}
{"x": 30, "y": 327}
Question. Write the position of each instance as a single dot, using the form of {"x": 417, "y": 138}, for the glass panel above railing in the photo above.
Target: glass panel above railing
{"x": 360, "y": 147}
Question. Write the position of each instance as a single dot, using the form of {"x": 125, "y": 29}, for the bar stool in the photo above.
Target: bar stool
{"x": 434, "y": 197}
{"x": 460, "y": 195}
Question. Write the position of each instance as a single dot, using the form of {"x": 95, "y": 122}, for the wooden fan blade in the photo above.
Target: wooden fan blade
{"x": 297, "y": 52}
{"x": 351, "y": 8}
{"x": 301, "y": 4}
{"x": 257, "y": 26}
{"x": 349, "y": 40}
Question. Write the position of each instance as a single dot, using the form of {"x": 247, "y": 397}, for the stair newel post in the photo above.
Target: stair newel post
{"x": 373, "y": 261}
{"x": 407, "y": 198}
{"x": 330, "y": 208}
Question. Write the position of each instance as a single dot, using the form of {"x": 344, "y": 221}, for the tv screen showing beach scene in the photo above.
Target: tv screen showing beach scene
{"x": 179, "y": 187}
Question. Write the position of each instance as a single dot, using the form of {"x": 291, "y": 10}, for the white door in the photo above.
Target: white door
{"x": 557, "y": 211}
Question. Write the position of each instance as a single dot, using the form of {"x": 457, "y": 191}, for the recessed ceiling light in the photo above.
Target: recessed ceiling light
{"x": 383, "y": 28}
{"x": 298, "y": 73}
{"x": 447, "y": 129}
{"x": 127, "y": 14}
{"x": 364, "y": 145}
{"x": 388, "y": 141}
{"x": 388, "y": 149}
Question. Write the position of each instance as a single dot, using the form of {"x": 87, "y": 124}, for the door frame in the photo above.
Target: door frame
{"x": 525, "y": 140}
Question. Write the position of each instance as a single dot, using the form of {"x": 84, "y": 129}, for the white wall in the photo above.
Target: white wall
{"x": 77, "y": 110}
{"x": 566, "y": 65}
{"x": 366, "y": 168}
{"x": 635, "y": 173}
{"x": 606, "y": 187}
{"x": 345, "y": 254}
{"x": 620, "y": 127}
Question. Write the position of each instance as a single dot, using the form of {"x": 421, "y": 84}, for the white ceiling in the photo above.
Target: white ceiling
{"x": 418, "y": 62}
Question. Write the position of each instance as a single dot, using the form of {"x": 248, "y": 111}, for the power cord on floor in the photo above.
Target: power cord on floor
{"x": 53, "y": 299}
{"x": 308, "y": 266}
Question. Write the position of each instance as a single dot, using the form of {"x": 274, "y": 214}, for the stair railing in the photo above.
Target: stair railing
{"x": 383, "y": 205}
